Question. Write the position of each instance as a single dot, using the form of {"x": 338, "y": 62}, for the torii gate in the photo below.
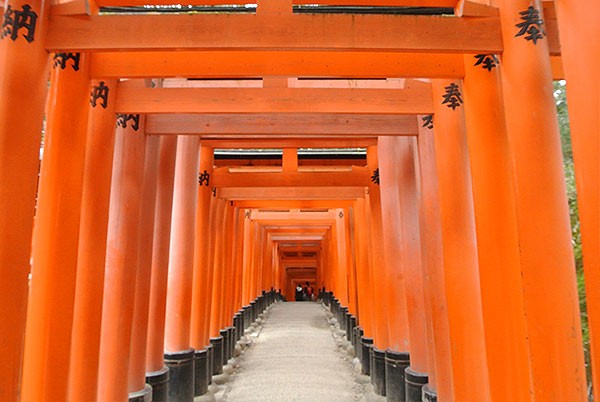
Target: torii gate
{"x": 493, "y": 168}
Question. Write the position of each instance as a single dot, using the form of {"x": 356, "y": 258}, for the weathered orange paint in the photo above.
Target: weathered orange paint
{"x": 311, "y": 63}
{"x": 217, "y": 269}
{"x": 142, "y": 284}
{"x": 436, "y": 306}
{"x": 23, "y": 70}
{"x": 91, "y": 254}
{"x": 202, "y": 285}
{"x": 363, "y": 269}
{"x": 395, "y": 265}
{"x": 542, "y": 214}
{"x": 160, "y": 254}
{"x": 376, "y": 255}
{"x": 55, "y": 238}
{"x": 121, "y": 264}
{"x": 497, "y": 238}
{"x": 469, "y": 363}
{"x": 181, "y": 249}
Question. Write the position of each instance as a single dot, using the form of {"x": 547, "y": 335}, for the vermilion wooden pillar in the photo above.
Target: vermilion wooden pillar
{"x": 55, "y": 237}
{"x": 553, "y": 323}
{"x": 339, "y": 242}
{"x": 226, "y": 263}
{"x": 436, "y": 307}
{"x": 416, "y": 374}
{"x": 217, "y": 267}
{"x": 137, "y": 355}
{"x": 392, "y": 235}
{"x": 497, "y": 239}
{"x": 121, "y": 264}
{"x": 91, "y": 254}
{"x": 578, "y": 21}
{"x": 352, "y": 292}
{"x": 155, "y": 368}
{"x": 467, "y": 337}
{"x": 179, "y": 356}
{"x": 373, "y": 202}
{"x": 202, "y": 282}
{"x": 239, "y": 257}
{"x": 247, "y": 258}
{"x": 363, "y": 269}
{"x": 23, "y": 88}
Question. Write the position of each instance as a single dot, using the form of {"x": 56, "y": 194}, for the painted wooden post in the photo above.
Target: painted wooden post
{"x": 392, "y": 236}
{"x": 156, "y": 371}
{"x": 577, "y": 21}
{"x": 121, "y": 263}
{"x": 363, "y": 269}
{"x": 56, "y": 236}
{"x": 137, "y": 355}
{"x": 339, "y": 242}
{"x": 23, "y": 88}
{"x": 91, "y": 254}
{"x": 373, "y": 202}
{"x": 416, "y": 374}
{"x": 469, "y": 363}
{"x": 497, "y": 239}
{"x": 179, "y": 356}
{"x": 440, "y": 383}
{"x": 553, "y": 323}
{"x": 202, "y": 284}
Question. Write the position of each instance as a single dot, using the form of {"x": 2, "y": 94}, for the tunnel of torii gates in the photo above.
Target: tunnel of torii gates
{"x": 442, "y": 242}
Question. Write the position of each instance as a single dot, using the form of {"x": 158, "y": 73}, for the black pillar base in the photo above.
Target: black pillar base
{"x": 217, "y": 363}
{"x": 225, "y": 335}
{"x": 231, "y": 331}
{"x": 365, "y": 355}
{"x": 144, "y": 395}
{"x": 352, "y": 325}
{"x": 247, "y": 318}
{"x": 159, "y": 380}
{"x": 181, "y": 375}
{"x": 429, "y": 395}
{"x": 378, "y": 371}
{"x": 201, "y": 372}
{"x": 209, "y": 362}
{"x": 414, "y": 384}
{"x": 395, "y": 384}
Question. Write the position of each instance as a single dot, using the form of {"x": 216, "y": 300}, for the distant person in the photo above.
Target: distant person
{"x": 310, "y": 292}
{"x": 299, "y": 293}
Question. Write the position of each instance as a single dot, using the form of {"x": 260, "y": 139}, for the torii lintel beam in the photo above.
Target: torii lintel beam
{"x": 248, "y": 64}
{"x": 288, "y": 124}
{"x": 287, "y": 142}
{"x": 274, "y": 100}
{"x": 270, "y": 32}
{"x": 358, "y": 176}
{"x": 291, "y": 193}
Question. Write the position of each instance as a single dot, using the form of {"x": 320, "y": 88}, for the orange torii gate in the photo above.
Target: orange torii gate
{"x": 469, "y": 194}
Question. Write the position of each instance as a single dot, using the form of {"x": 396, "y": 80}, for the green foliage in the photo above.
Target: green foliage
{"x": 565, "y": 137}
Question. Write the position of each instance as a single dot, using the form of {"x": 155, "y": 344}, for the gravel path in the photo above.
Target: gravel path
{"x": 294, "y": 358}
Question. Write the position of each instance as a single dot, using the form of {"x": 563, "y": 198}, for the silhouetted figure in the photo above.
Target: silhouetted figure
{"x": 299, "y": 293}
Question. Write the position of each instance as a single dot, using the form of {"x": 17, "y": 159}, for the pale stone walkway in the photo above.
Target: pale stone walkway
{"x": 294, "y": 358}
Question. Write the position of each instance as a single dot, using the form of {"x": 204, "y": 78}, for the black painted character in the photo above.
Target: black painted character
{"x": 15, "y": 20}
{"x": 427, "y": 121}
{"x": 452, "y": 98}
{"x": 122, "y": 120}
{"x": 532, "y": 25}
{"x": 60, "y": 60}
{"x": 99, "y": 92}
{"x": 375, "y": 177}
{"x": 204, "y": 177}
{"x": 487, "y": 61}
